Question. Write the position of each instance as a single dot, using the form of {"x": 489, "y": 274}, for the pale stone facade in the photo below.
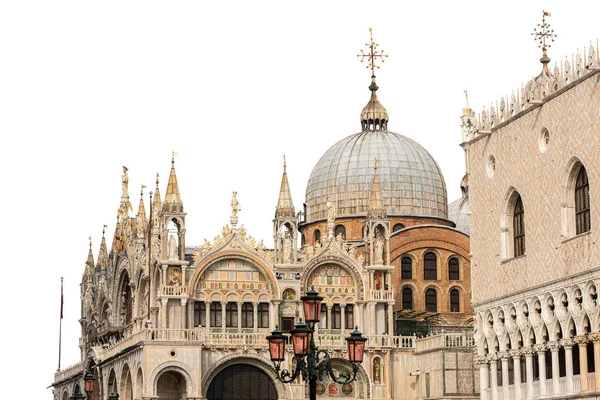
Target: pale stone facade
{"x": 537, "y": 326}
{"x": 161, "y": 320}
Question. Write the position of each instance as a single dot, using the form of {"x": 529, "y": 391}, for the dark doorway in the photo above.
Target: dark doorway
{"x": 242, "y": 382}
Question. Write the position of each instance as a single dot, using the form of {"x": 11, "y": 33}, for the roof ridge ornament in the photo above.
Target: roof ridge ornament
{"x": 374, "y": 116}
{"x": 540, "y": 34}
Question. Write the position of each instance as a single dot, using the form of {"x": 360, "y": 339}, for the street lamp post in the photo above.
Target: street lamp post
{"x": 312, "y": 362}
{"x": 88, "y": 383}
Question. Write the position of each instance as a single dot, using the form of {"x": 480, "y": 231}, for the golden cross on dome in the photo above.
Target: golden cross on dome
{"x": 544, "y": 32}
{"x": 372, "y": 54}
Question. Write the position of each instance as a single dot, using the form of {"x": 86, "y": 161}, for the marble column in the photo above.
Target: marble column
{"x": 595, "y": 338}
{"x": 568, "y": 345}
{"x": 540, "y": 349}
{"x": 343, "y": 316}
{"x": 516, "y": 356}
{"x": 163, "y": 312}
{"x": 529, "y": 372}
{"x": 494, "y": 377}
{"x": 223, "y": 316}
{"x": 504, "y": 359}
{"x": 183, "y": 313}
{"x": 329, "y": 307}
{"x": 207, "y": 320}
{"x": 554, "y": 346}
{"x": 255, "y": 316}
{"x": 582, "y": 341}
{"x": 372, "y": 319}
{"x": 390, "y": 313}
{"x": 483, "y": 376}
{"x": 239, "y": 316}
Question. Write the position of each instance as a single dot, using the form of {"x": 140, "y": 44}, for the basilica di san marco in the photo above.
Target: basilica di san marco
{"x": 376, "y": 243}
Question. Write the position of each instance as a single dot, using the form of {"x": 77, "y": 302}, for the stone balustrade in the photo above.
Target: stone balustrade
{"x": 445, "y": 340}
{"x": 69, "y": 371}
{"x": 173, "y": 290}
{"x": 387, "y": 295}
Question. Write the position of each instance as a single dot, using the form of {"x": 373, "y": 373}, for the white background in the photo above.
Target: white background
{"x": 87, "y": 87}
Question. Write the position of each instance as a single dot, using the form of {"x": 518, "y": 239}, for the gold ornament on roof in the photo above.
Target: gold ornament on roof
{"x": 372, "y": 54}
{"x": 541, "y": 33}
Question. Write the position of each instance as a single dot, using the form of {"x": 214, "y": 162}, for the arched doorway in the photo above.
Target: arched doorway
{"x": 171, "y": 385}
{"x": 242, "y": 382}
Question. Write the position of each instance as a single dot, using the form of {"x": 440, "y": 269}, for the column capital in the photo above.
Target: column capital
{"x": 515, "y": 354}
{"x": 553, "y": 346}
{"x": 567, "y": 343}
{"x": 581, "y": 339}
{"x": 594, "y": 336}
{"x": 481, "y": 361}
{"x": 540, "y": 348}
{"x": 503, "y": 355}
{"x": 528, "y": 351}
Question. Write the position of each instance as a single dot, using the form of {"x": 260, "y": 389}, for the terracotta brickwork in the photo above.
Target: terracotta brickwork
{"x": 572, "y": 120}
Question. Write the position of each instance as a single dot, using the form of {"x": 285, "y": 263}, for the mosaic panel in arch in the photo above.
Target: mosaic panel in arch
{"x": 232, "y": 274}
{"x": 331, "y": 278}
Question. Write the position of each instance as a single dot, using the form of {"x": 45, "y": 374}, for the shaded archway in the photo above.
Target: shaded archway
{"x": 171, "y": 385}
{"x": 241, "y": 381}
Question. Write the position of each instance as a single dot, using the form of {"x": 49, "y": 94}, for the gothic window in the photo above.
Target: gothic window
{"x": 349, "y": 316}
{"x": 340, "y": 230}
{"x": 582, "y": 202}
{"x": 317, "y": 235}
{"x": 407, "y": 299}
{"x": 263, "y": 315}
{"x": 519, "y": 228}
{"x": 397, "y": 227}
{"x": 453, "y": 269}
{"x": 431, "y": 300}
{"x": 430, "y": 267}
{"x": 247, "y": 315}
{"x": 336, "y": 317}
{"x": 406, "y": 268}
{"x": 454, "y": 300}
{"x": 199, "y": 313}
{"x": 231, "y": 315}
{"x": 216, "y": 311}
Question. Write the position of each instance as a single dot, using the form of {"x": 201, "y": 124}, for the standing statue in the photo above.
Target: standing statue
{"x": 235, "y": 205}
{"x": 125, "y": 182}
{"x": 172, "y": 248}
{"x": 379, "y": 250}
{"x": 330, "y": 211}
{"x": 287, "y": 248}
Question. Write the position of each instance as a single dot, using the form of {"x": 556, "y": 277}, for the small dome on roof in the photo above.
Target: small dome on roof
{"x": 459, "y": 213}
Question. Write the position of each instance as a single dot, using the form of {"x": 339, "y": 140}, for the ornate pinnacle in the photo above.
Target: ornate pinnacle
{"x": 540, "y": 34}
{"x": 372, "y": 55}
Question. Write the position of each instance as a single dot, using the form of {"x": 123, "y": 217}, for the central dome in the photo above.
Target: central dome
{"x": 411, "y": 181}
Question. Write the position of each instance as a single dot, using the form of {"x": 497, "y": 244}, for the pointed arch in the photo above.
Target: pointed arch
{"x": 575, "y": 215}
{"x": 512, "y": 225}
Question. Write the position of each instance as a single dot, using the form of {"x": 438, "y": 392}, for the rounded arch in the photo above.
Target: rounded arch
{"x": 431, "y": 295}
{"x": 252, "y": 259}
{"x": 139, "y": 383}
{"x": 111, "y": 382}
{"x": 340, "y": 230}
{"x": 283, "y": 392}
{"x": 335, "y": 260}
{"x": 172, "y": 366}
{"x": 126, "y": 383}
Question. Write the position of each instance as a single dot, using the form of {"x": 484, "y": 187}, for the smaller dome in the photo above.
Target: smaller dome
{"x": 459, "y": 213}
{"x": 374, "y": 116}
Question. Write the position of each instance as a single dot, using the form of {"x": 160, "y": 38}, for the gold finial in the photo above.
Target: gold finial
{"x": 540, "y": 34}
{"x": 372, "y": 55}
{"x": 104, "y": 229}
{"x": 142, "y": 190}
{"x": 90, "y": 239}
{"x": 377, "y": 160}
{"x": 173, "y": 154}
{"x": 157, "y": 179}
{"x": 284, "y": 163}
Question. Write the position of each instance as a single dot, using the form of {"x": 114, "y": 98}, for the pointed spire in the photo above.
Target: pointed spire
{"x": 157, "y": 202}
{"x": 141, "y": 209}
{"x": 103, "y": 253}
{"x": 285, "y": 206}
{"x": 467, "y": 110}
{"x": 89, "y": 264}
{"x": 374, "y": 116}
{"x": 376, "y": 207}
{"x": 172, "y": 198}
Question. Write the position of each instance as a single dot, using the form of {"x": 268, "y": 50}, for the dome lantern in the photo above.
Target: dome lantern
{"x": 374, "y": 116}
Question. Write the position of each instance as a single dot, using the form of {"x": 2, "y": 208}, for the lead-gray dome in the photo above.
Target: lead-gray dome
{"x": 411, "y": 181}
{"x": 459, "y": 213}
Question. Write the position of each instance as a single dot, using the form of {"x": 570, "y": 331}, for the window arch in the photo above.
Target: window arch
{"x": 582, "y": 202}
{"x": 215, "y": 314}
{"x": 317, "y": 235}
{"x": 454, "y": 300}
{"x": 513, "y": 226}
{"x": 519, "y": 228}
{"x": 349, "y": 316}
{"x": 397, "y": 227}
{"x": 407, "y": 298}
{"x": 453, "y": 269}
{"x": 406, "y": 268}
{"x": 340, "y": 230}
{"x": 231, "y": 315}
{"x": 431, "y": 300}
{"x": 247, "y": 315}
{"x": 263, "y": 315}
{"x": 199, "y": 313}
{"x": 430, "y": 266}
